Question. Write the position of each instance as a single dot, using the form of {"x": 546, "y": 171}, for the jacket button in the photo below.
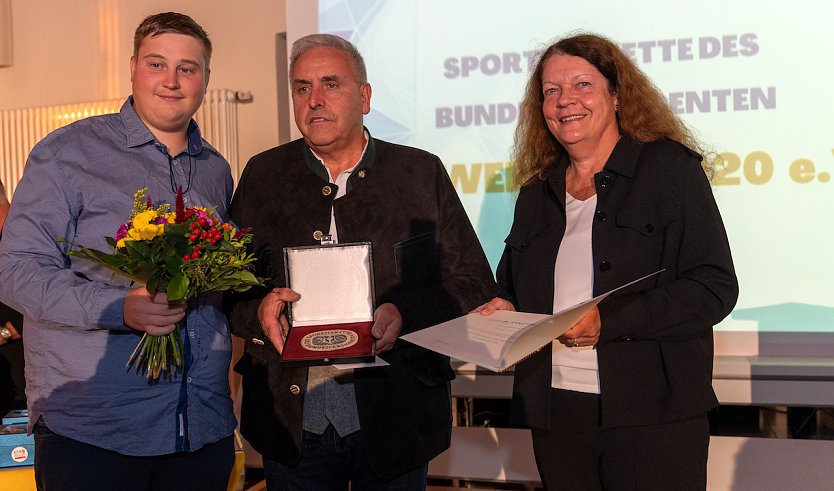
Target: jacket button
{"x": 257, "y": 341}
{"x": 605, "y": 181}
{"x": 604, "y": 266}
{"x": 601, "y": 216}
{"x": 295, "y": 390}
{"x": 317, "y": 235}
{"x": 649, "y": 228}
{"x": 326, "y": 190}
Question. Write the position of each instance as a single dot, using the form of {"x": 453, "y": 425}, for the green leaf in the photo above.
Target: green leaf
{"x": 225, "y": 246}
{"x": 180, "y": 229}
{"x": 146, "y": 270}
{"x": 116, "y": 263}
{"x": 173, "y": 264}
{"x": 153, "y": 284}
{"x": 176, "y": 238}
{"x": 138, "y": 248}
{"x": 178, "y": 287}
{"x": 246, "y": 276}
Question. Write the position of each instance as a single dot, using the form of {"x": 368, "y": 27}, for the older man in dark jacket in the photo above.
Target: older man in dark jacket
{"x": 378, "y": 427}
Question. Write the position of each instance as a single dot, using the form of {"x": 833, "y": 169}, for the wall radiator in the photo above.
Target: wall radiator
{"x": 21, "y": 129}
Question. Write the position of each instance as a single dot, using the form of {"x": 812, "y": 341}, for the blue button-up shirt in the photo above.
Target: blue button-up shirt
{"x": 79, "y": 183}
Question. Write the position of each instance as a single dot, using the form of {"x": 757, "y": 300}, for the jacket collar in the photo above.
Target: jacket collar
{"x": 622, "y": 161}
{"x": 365, "y": 164}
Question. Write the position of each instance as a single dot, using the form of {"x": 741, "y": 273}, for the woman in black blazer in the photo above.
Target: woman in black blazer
{"x": 614, "y": 189}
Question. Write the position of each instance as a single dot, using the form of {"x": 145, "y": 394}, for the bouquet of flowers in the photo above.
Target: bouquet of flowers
{"x": 183, "y": 253}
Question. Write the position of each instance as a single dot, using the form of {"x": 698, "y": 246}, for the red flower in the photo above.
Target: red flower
{"x": 179, "y": 210}
{"x": 241, "y": 232}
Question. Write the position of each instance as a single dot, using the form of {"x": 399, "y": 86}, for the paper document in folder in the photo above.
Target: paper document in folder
{"x": 496, "y": 341}
{"x": 501, "y": 340}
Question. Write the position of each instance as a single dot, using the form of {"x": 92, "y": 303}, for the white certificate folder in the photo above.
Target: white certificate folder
{"x": 501, "y": 340}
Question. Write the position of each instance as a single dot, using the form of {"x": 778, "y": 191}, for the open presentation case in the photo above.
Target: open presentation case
{"x": 332, "y": 321}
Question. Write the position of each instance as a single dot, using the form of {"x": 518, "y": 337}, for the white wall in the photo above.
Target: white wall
{"x": 68, "y": 51}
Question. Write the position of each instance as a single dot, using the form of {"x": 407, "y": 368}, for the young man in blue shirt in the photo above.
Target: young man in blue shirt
{"x": 98, "y": 425}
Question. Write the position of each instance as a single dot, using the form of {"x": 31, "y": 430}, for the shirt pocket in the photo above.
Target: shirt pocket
{"x": 523, "y": 234}
{"x": 517, "y": 239}
{"x": 416, "y": 257}
{"x": 649, "y": 219}
{"x": 432, "y": 370}
{"x": 528, "y": 260}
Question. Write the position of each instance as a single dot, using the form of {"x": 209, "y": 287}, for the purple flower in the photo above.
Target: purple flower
{"x": 160, "y": 220}
{"x": 202, "y": 214}
{"x": 122, "y": 233}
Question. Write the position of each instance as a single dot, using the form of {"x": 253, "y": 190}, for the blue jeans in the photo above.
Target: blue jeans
{"x": 329, "y": 462}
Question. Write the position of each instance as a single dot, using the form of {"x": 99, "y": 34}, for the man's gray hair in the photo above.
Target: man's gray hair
{"x": 300, "y": 46}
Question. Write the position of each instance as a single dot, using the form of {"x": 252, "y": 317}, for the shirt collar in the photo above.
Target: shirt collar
{"x": 365, "y": 162}
{"x": 138, "y": 134}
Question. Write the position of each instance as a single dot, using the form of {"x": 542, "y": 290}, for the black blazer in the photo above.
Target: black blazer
{"x": 655, "y": 210}
{"x": 427, "y": 261}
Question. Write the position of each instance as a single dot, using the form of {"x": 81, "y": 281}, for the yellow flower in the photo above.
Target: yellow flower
{"x": 144, "y": 218}
{"x": 144, "y": 232}
{"x": 152, "y": 231}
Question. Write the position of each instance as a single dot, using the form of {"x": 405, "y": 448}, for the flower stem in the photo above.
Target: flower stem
{"x": 136, "y": 350}
{"x": 151, "y": 354}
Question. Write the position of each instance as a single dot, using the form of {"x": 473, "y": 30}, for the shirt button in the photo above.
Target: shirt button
{"x": 601, "y": 216}
{"x": 649, "y": 228}
{"x": 191, "y": 333}
{"x": 604, "y": 266}
{"x": 317, "y": 235}
{"x": 326, "y": 190}
{"x": 361, "y": 174}
{"x": 294, "y": 389}
{"x": 189, "y": 380}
